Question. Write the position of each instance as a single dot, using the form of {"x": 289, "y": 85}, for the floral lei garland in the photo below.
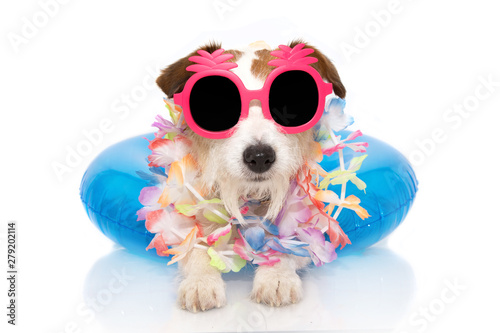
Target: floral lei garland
{"x": 174, "y": 197}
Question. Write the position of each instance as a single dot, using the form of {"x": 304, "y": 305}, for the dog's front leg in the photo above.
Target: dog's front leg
{"x": 202, "y": 287}
{"x": 279, "y": 284}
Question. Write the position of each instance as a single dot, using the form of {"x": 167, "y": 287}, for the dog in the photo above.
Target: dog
{"x": 257, "y": 161}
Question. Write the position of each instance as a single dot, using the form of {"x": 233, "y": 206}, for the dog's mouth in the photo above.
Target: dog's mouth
{"x": 258, "y": 179}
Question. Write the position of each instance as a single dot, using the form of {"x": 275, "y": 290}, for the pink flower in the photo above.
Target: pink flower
{"x": 159, "y": 244}
{"x": 171, "y": 226}
{"x": 166, "y": 126}
{"x": 359, "y": 147}
{"x": 294, "y": 211}
{"x": 166, "y": 151}
{"x": 334, "y": 231}
{"x": 218, "y": 233}
{"x": 321, "y": 250}
{"x": 149, "y": 199}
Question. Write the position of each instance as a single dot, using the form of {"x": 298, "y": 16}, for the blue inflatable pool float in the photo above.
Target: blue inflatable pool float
{"x": 110, "y": 193}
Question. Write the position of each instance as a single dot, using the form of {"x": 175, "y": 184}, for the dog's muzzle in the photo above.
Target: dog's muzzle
{"x": 259, "y": 158}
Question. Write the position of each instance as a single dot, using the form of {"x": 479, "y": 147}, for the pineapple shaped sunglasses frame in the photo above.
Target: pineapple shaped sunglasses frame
{"x": 214, "y": 64}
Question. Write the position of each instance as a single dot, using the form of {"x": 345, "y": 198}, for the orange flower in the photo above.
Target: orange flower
{"x": 351, "y": 202}
{"x": 181, "y": 173}
{"x": 183, "y": 248}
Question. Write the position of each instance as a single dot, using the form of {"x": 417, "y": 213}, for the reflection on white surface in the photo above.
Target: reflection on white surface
{"x": 365, "y": 291}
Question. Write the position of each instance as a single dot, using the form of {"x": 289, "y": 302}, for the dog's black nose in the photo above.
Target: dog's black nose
{"x": 259, "y": 158}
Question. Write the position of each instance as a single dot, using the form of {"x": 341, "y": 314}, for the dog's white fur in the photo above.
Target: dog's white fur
{"x": 222, "y": 163}
{"x": 224, "y": 174}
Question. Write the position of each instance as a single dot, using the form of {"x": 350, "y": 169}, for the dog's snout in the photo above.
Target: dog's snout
{"x": 259, "y": 158}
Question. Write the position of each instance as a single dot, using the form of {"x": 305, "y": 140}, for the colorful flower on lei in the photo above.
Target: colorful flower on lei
{"x": 181, "y": 176}
{"x": 169, "y": 228}
{"x": 184, "y": 247}
{"x": 223, "y": 257}
{"x": 359, "y": 147}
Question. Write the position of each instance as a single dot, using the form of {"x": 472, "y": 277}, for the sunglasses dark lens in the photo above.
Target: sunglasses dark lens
{"x": 215, "y": 103}
{"x": 293, "y": 98}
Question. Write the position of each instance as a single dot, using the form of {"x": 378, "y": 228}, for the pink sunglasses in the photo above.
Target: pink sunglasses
{"x": 214, "y": 99}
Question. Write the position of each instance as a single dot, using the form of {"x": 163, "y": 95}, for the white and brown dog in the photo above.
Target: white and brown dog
{"x": 257, "y": 161}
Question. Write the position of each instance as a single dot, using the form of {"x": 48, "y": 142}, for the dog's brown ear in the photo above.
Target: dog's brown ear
{"x": 173, "y": 78}
{"x": 325, "y": 68}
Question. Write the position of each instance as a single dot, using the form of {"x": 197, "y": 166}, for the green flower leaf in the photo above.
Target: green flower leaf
{"x": 361, "y": 185}
{"x": 356, "y": 163}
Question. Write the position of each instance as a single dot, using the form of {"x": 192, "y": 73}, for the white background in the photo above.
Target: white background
{"x": 78, "y": 66}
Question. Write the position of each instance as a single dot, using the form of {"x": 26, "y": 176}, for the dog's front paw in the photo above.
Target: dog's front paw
{"x": 202, "y": 292}
{"x": 276, "y": 288}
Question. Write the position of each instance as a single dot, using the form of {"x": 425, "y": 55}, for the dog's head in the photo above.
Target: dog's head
{"x": 258, "y": 160}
